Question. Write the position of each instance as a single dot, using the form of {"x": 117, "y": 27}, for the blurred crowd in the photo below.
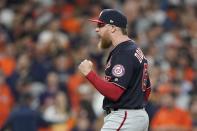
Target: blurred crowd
{"x": 43, "y": 41}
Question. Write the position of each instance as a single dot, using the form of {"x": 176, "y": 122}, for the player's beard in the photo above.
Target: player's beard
{"x": 104, "y": 43}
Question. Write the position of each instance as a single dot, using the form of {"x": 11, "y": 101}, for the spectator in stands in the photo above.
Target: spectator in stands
{"x": 23, "y": 117}
{"x": 170, "y": 117}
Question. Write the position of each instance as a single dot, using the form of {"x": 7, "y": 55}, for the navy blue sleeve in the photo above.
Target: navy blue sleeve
{"x": 122, "y": 66}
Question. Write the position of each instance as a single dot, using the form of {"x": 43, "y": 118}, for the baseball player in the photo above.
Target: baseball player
{"x": 126, "y": 86}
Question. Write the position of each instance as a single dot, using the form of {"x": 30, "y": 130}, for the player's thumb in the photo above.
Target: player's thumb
{"x": 90, "y": 63}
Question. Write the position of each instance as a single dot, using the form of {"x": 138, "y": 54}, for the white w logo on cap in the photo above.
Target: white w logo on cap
{"x": 111, "y": 21}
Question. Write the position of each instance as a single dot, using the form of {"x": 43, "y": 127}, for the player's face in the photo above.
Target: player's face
{"x": 104, "y": 42}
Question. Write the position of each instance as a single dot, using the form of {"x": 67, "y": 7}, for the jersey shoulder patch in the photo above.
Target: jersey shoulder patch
{"x": 118, "y": 70}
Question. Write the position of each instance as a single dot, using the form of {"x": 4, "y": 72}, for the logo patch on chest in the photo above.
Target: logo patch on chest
{"x": 118, "y": 70}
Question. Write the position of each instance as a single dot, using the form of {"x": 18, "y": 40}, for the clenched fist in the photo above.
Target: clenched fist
{"x": 85, "y": 67}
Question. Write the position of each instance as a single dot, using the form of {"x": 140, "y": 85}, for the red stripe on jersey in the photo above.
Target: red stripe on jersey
{"x": 147, "y": 93}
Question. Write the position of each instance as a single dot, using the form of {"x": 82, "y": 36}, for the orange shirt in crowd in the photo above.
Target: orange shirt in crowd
{"x": 73, "y": 84}
{"x": 71, "y": 24}
{"x": 6, "y": 103}
{"x": 7, "y": 65}
{"x": 188, "y": 74}
{"x": 171, "y": 118}
{"x": 68, "y": 21}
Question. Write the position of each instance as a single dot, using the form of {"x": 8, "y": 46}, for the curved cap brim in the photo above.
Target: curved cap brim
{"x": 96, "y": 21}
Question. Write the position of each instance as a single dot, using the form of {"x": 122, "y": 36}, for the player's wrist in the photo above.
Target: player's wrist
{"x": 88, "y": 73}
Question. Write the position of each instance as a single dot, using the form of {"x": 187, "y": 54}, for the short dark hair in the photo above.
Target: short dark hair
{"x": 124, "y": 31}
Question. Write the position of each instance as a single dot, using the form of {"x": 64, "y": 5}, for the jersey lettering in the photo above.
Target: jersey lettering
{"x": 139, "y": 54}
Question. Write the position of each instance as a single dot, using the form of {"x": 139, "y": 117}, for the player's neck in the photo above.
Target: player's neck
{"x": 119, "y": 39}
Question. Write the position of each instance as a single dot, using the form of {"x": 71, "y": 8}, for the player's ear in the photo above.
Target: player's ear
{"x": 113, "y": 28}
